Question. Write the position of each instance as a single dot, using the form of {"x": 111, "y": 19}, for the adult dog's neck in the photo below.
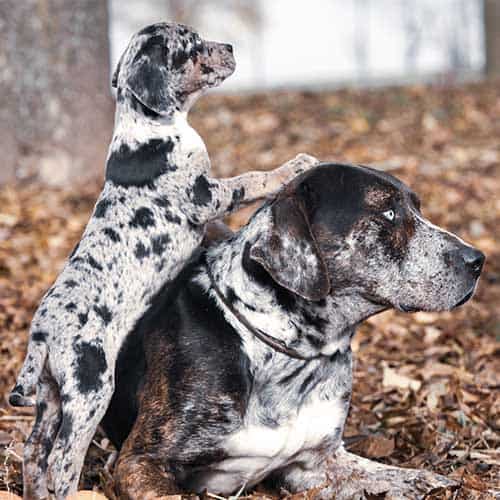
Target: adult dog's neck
{"x": 310, "y": 328}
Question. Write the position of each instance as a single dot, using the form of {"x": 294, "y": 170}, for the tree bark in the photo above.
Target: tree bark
{"x": 492, "y": 37}
{"x": 56, "y": 111}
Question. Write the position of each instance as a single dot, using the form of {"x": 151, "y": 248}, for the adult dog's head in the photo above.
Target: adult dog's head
{"x": 166, "y": 66}
{"x": 354, "y": 229}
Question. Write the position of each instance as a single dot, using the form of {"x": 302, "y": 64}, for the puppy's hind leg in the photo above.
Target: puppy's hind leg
{"x": 39, "y": 445}
{"x": 81, "y": 413}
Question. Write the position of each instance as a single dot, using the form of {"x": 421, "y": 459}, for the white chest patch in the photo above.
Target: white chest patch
{"x": 257, "y": 450}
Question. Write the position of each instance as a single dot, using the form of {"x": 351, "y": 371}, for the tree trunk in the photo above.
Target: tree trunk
{"x": 56, "y": 112}
{"x": 492, "y": 37}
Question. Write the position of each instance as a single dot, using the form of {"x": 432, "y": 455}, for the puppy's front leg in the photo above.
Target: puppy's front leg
{"x": 253, "y": 186}
{"x": 214, "y": 198}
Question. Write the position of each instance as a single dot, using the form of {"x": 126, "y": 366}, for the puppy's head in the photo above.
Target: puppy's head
{"x": 355, "y": 229}
{"x": 166, "y": 66}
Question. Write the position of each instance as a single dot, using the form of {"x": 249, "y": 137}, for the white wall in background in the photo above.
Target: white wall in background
{"x": 318, "y": 43}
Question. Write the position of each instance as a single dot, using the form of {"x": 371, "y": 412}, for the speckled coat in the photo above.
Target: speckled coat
{"x": 148, "y": 220}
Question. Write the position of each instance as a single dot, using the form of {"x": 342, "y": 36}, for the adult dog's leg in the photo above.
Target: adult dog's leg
{"x": 346, "y": 476}
{"x": 141, "y": 471}
{"x": 80, "y": 416}
{"x": 140, "y": 475}
{"x": 375, "y": 478}
{"x": 348, "y": 472}
{"x": 39, "y": 445}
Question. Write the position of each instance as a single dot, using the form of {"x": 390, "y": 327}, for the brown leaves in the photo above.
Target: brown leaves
{"x": 426, "y": 385}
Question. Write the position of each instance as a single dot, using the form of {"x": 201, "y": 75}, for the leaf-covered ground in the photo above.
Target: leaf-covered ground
{"x": 427, "y": 386}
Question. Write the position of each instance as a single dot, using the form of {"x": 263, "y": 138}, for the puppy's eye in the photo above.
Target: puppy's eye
{"x": 389, "y": 214}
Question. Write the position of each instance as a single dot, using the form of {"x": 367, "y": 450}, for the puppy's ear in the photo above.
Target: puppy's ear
{"x": 148, "y": 82}
{"x": 147, "y": 79}
{"x": 114, "y": 80}
{"x": 289, "y": 253}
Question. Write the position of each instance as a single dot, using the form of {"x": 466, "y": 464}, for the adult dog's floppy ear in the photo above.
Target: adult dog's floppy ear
{"x": 289, "y": 253}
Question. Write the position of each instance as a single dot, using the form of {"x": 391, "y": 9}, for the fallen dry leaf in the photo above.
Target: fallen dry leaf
{"x": 393, "y": 379}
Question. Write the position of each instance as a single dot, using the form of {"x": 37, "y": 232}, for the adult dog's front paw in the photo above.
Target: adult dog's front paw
{"x": 357, "y": 477}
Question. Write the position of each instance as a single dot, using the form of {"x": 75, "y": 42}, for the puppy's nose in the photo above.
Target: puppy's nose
{"x": 472, "y": 258}
{"x": 228, "y": 47}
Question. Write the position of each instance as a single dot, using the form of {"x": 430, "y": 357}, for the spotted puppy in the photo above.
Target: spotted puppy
{"x": 243, "y": 370}
{"x": 148, "y": 220}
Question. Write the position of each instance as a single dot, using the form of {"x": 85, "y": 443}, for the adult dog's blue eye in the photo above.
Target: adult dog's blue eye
{"x": 389, "y": 214}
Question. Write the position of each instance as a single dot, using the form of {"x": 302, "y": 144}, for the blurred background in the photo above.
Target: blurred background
{"x": 410, "y": 86}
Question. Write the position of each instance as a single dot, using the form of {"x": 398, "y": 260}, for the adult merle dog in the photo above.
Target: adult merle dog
{"x": 242, "y": 371}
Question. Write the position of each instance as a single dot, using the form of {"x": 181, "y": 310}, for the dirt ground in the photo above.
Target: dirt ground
{"x": 426, "y": 390}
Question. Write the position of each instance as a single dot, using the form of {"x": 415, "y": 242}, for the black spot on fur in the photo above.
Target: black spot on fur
{"x": 231, "y": 296}
{"x": 112, "y": 234}
{"x": 143, "y": 217}
{"x": 306, "y": 385}
{"x": 39, "y": 336}
{"x": 83, "y": 318}
{"x": 140, "y": 108}
{"x": 65, "y": 398}
{"x": 201, "y": 191}
{"x": 104, "y": 313}
{"x": 206, "y": 69}
{"x": 286, "y": 379}
{"x": 175, "y": 219}
{"x": 316, "y": 342}
{"x": 238, "y": 195}
{"x": 94, "y": 263}
{"x": 161, "y": 202}
{"x": 70, "y": 283}
{"x": 315, "y": 321}
{"x": 179, "y": 58}
{"x": 41, "y": 408}
{"x": 141, "y": 166}
{"x": 159, "y": 243}
{"x": 66, "y": 428}
{"x": 70, "y": 306}
{"x": 90, "y": 365}
{"x": 141, "y": 251}
{"x": 102, "y": 207}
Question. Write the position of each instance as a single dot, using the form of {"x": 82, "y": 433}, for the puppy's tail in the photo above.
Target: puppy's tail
{"x": 29, "y": 375}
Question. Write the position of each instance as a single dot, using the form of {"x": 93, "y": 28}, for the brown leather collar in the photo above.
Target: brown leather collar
{"x": 274, "y": 343}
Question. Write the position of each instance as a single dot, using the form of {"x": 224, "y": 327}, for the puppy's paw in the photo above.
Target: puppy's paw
{"x": 279, "y": 177}
{"x": 301, "y": 163}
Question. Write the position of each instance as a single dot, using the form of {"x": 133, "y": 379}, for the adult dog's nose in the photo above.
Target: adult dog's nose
{"x": 472, "y": 258}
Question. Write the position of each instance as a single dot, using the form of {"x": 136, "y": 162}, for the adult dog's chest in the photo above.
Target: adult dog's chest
{"x": 285, "y": 423}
